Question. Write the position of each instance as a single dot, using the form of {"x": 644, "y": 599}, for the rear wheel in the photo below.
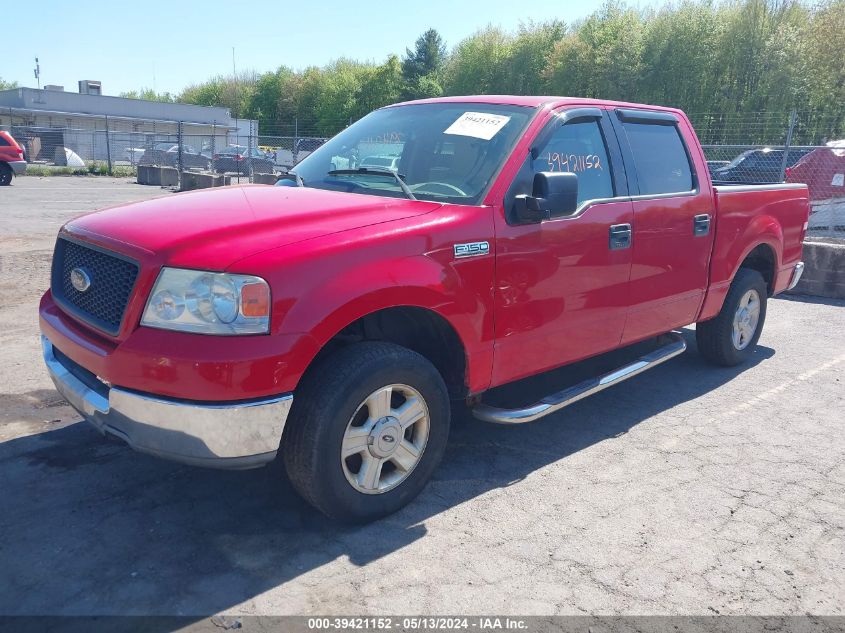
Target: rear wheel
{"x": 367, "y": 429}
{"x": 5, "y": 175}
{"x": 730, "y": 338}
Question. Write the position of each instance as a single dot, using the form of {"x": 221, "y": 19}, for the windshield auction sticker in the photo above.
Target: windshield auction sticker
{"x": 478, "y": 125}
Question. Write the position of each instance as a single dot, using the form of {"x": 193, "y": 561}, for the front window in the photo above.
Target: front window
{"x": 445, "y": 152}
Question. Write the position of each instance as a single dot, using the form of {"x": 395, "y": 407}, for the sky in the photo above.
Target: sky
{"x": 169, "y": 45}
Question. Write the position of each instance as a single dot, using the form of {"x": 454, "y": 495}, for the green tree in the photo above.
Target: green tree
{"x": 528, "y": 55}
{"x": 7, "y": 85}
{"x": 148, "y": 94}
{"x": 478, "y": 63}
{"x": 233, "y": 92}
{"x": 383, "y": 85}
{"x": 600, "y": 57}
{"x": 427, "y": 57}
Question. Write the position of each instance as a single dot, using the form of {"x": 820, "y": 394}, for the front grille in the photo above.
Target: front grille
{"x": 112, "y": 278}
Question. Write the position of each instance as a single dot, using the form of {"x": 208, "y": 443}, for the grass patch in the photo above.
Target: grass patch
{"x": 95, "y": 168}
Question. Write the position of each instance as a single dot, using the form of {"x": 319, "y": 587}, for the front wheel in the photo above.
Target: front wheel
{"x": 730, "y": 338}
{"x": 367, "y": 429}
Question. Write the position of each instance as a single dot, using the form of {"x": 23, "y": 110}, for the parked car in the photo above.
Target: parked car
{"x": 133, "y": 155}
{"x": 757, "y": 166}
{"x": 242, "y": 160}
{"x": 385, "y": 162}
{"x": 12, "y": 158}
{"x": 333, "y": 320}
{"x": 822, "y": 170}
{"x": 713, "y": 165}
{"x": 167, "y": 155}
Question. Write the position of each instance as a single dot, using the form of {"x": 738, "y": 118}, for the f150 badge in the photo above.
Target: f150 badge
{"x": 471, "y": 249}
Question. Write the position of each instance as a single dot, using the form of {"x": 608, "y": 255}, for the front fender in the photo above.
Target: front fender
{"x": 322, "y": 286}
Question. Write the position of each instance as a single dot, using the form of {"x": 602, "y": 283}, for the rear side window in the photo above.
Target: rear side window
{"x": 660, "y": 158}
{"x": 4, "y": 142}
{"x": 579, "y": 148}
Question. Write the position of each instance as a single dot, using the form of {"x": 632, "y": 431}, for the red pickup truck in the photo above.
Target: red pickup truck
{"x": 332, "y": 318}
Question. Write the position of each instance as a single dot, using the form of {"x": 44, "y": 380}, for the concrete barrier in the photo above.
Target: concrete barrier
{"x": 196, "y": 180}
{"x": 824, "y": 272}
{"x": 157, "y": 176}
{"x": 264, "y": 179}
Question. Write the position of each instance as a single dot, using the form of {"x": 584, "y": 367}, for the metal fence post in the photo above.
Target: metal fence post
{"x": 249, "y": 147}
{"x": 295, "y": 151}
{"x": 793, "y": 117}
{"x": 108, "y": 146}
{"x": 179, "y": 140}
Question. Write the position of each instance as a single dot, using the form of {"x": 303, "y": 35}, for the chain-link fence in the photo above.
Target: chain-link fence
{"x": 240, "y": 154}
{"x": 775, "y": 147}
{"x": 739, "y": 148}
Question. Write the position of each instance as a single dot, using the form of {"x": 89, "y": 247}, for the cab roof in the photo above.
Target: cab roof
{"x": 540, "y": 101}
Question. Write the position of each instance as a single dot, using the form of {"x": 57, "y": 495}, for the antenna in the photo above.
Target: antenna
{"x": 38, "y": 73}
{"x": 234, "y": 72}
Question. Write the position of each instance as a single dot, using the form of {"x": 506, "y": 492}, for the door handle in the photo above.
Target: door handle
{"x": 620, "y": 236}
{"x": 701, "y": 224}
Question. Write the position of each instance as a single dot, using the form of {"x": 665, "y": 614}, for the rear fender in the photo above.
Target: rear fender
{"x": 731, "y": 251}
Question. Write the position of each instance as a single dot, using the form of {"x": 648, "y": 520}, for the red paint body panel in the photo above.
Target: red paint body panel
{"x": 777, "y": 219}
{"x": 670, "y": 263}
{"x": 561, "y": 295}
{"x": 546, "y": 294}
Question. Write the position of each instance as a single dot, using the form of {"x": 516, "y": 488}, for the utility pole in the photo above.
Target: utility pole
{"x": 38, "y": 73}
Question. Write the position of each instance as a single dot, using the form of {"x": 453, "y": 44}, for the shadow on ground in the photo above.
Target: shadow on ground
{"x": 90, "y": 527}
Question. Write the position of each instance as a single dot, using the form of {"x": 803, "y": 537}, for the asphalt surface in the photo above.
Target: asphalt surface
{"x": 687, "y": 490}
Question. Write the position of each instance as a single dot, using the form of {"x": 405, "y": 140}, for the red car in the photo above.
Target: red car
{"x": 12, "y": 160}
{"x": 823, "y": 171}
{"x": 333, "y": 318}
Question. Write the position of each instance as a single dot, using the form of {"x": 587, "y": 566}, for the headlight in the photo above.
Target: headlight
{"x": 208, "y": 303}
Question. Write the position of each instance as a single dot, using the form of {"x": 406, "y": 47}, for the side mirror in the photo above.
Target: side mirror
{"x": 553, "y": 194}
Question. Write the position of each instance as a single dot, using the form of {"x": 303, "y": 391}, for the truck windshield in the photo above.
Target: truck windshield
{"x": 445, "y": 152}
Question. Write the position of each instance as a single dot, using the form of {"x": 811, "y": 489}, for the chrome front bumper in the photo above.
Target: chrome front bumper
{"x": 226, "y": 435}
{"x": 796, "y": 275}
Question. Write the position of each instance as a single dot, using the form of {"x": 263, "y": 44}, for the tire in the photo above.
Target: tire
{"x": 331, "y": 412}
{"x": 5, "y": 175}
{"x": 717, "y": 339}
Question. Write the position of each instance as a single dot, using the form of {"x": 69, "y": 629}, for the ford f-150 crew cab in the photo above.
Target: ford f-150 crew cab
{"x": 331, "y": 318}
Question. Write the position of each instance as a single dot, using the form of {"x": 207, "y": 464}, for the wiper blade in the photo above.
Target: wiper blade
{"x": 376, "y": 171}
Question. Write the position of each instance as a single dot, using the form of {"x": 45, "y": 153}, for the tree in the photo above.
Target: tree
{"x": 477, "y": 65}
{"x": 601, "y": 57}
{"x": 529, "y": 54}
{"x": 228, "y": 91}
{"x": 384, "y": 85}
{"x": 426, "y": 59}
{"x": 7, "y": 85}
{"x": 148, "y": 94}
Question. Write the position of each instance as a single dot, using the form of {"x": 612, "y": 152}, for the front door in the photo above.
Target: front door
{"x": 561, "y": 290}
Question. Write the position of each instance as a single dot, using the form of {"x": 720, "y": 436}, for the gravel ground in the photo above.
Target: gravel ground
{"x": 687, "y": 490}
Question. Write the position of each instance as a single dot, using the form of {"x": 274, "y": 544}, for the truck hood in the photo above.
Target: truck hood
{"x": 214, "y": 228}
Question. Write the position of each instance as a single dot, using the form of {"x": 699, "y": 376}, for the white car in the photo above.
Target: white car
{"x": 133, "y": 154}
{"x": 389, "y": 162}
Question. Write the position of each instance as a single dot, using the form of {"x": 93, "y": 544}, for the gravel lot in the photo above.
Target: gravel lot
{"x": 687, "y": 490}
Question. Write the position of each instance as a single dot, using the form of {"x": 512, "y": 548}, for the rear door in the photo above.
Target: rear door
{"x": 672, "y": 225}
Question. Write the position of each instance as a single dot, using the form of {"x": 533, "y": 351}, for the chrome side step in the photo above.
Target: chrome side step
{"x": 673, "y": 345}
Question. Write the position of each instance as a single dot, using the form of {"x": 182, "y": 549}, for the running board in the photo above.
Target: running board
{"x": 673, "y": 344}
